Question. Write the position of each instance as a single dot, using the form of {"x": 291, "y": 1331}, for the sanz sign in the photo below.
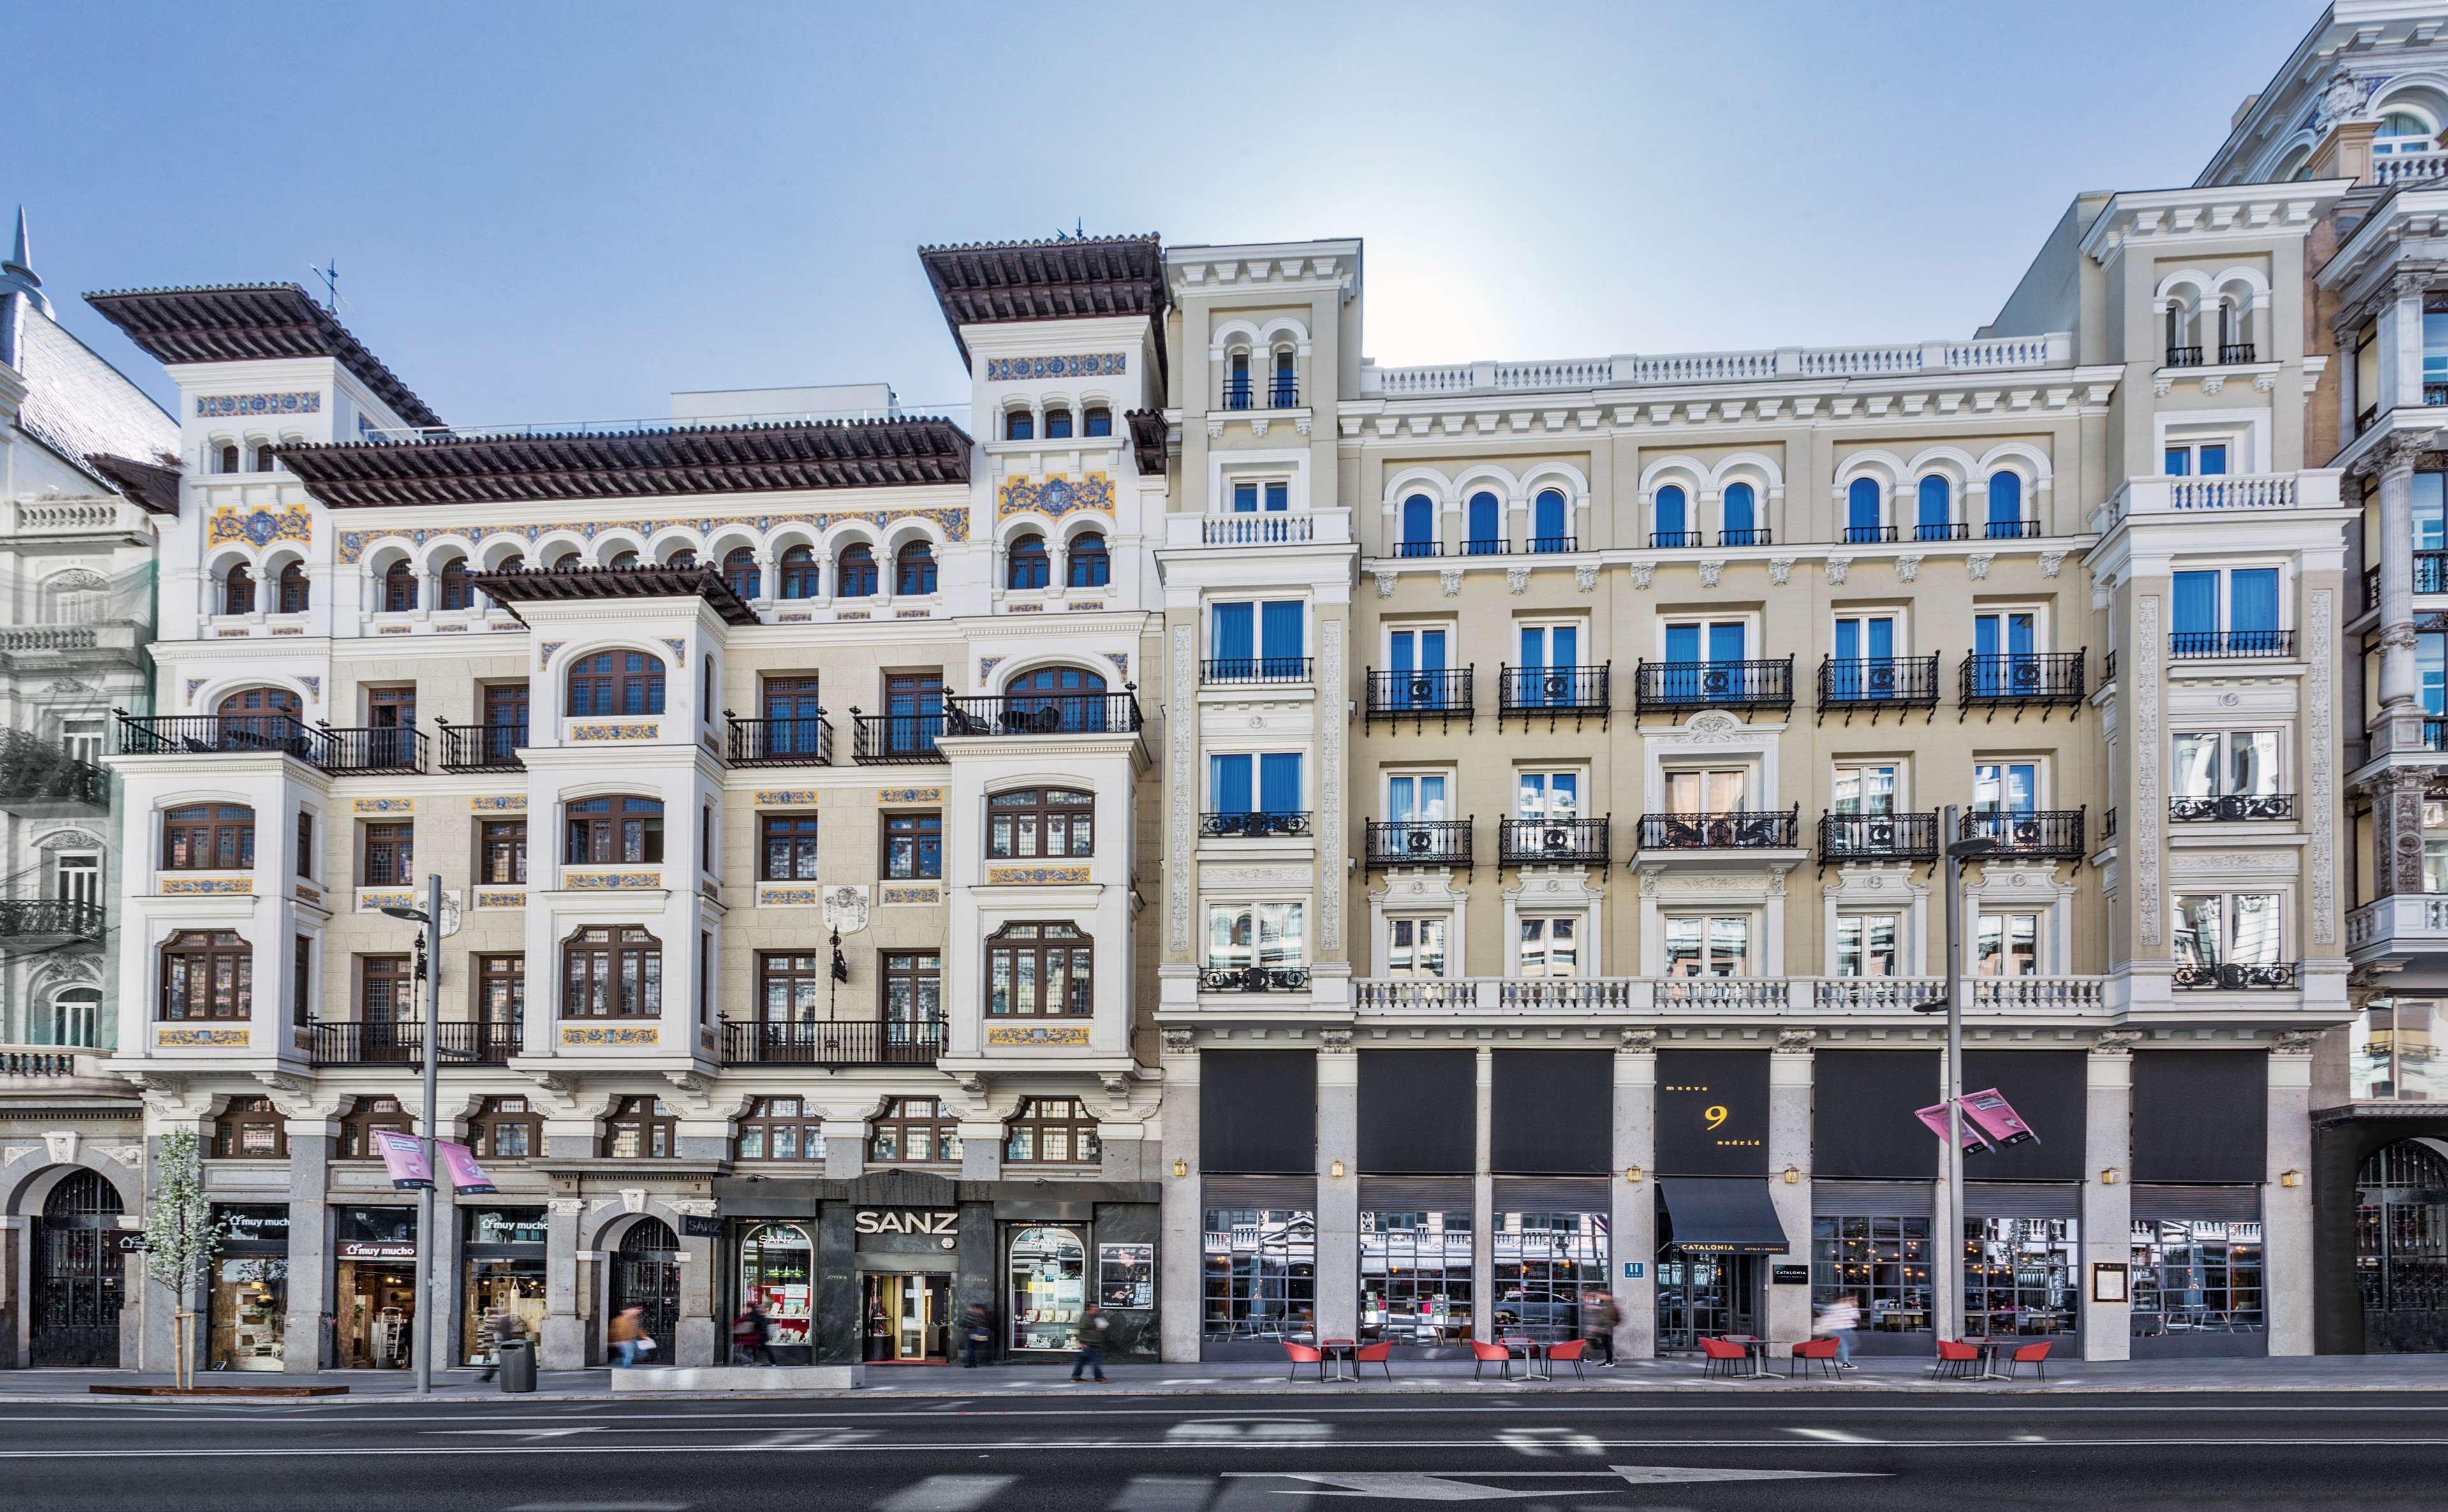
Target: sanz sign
{"x": 907, "y": 1221}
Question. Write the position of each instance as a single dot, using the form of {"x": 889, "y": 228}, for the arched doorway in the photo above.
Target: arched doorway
{"x": 257, "y": 718}
{"x": 1057, "y": 700}
{"x": 647, "y": 1274}
{"x": 2402, "y": 1248}
{"x": 79, "y": 1279}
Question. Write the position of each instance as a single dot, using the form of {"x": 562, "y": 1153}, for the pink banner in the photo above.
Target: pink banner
{"x": 403, "y": 1155}
{"x": 459, "y": 1164}
{"x": 1997, "y": 1118}
{"x": 1935, "y": 1119}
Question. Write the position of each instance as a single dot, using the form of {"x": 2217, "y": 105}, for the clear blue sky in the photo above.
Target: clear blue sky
{"x": 548, "y": 211}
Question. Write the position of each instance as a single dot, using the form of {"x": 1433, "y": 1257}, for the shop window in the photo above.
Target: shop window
{"x": 504, "y": 1279}
{"x": 622, "y": 829}
{"x": 250, "y": 1286}
{"x": 613, "y": 682}
{"x": 913, "y": 1131}
{"x": 778, "y": 1274}
{"x": 208, "y": 837}
{"x": 1881, "y": 1262}
{"x": 507, "y": 1129}
{"x": 1039, "y": 968}
{"x": 2192, "y": 1275}
{"x": 780, "y": 1129}
{"x": 502, "y": 847}
{"x": 1415, "y": 1277}
{"x": 207, "y": 974}
{"x": 250, "y": 1129}
{"x": 389, "y": 852}
{"x": 2021, "y": 1277}
{"x": 1049, "y": 1286}
{"x": 1546, "y": 1263}
{"x": 1260, "y": 1275}
{"x": 913, "y": 995}
{"x": 1032, "y": 822}
{"x": 642, "y": 1129}
{"x": 789, "y": 847}
{"x": 372, "y": 1116}
{"x": 1051, "y": 1131}
{"x": 612, "y": 971}
{"x": 913, "y": 846}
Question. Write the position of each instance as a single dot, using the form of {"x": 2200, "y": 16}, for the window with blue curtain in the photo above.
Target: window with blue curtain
{"x": 2005, "y": 506}
{"x": 2252, "y": 611}
{"x": 1725, "y": 643}
{"x": 1279, "y": 497}
{"x": 1861, "y": 510}
{"x": 1935, "y": 518}
{"x": 2196, "y": 606}
{"x": 1418, "y": 526}
{"x": 1280, "y": 638}
{"x": 1671, "y": 514}
{"x": 1865, "y": 661}
{"x": 1233, "y": 646}
{"x": 1245, "y": 498}
{"x": 2001, "y": 647}
{"x": 1414, "y": 657}
{"x": 2178, "y": 462}
{"x": 1549, "y": 531}
{"x": 1279, "y": 782}
{"x": 1739, "y": 516}
{"x": 1228, "y": 784}
{"x": 1547, "y": 649}
{"x": 1486, "y": 526}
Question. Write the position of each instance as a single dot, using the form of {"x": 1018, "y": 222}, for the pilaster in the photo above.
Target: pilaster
{"x": 2106, "y": 1223}
{"x": 2286, "y": 1275}
{"x": 1632, "y": 1223}
{"x": 1788, "y": 1148}
{"x": 1338, "y": 1196}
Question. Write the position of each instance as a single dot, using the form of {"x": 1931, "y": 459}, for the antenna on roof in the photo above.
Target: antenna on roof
{"x": 330, "y": 274}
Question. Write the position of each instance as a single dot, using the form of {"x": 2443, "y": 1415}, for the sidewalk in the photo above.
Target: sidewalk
{"x": 2336, "y": 1372}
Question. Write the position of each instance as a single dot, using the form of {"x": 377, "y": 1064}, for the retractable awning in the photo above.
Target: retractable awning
{"x": 1722, "y": 1215}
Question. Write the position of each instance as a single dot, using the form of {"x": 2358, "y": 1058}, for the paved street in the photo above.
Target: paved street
{"x": 1115, "y": 1452}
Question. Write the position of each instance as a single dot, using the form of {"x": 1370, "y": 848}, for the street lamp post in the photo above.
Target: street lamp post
{"x": 430, "y": 917}
{"x": 1959, "y": 847}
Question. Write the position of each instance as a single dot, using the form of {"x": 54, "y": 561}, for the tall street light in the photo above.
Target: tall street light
{"x": 430, "y": 916}
{"x": 1959, "y": 848}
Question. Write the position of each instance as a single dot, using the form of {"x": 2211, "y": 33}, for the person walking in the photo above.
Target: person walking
{"x": 1600, "y": 1317}
{"x": 977, "y": 1332}
{"x": 489, "y": 1338}
{"x": 1092, "y": 1344}
{"x": 1839, "y": 1318}
{"x": 626, "y": 1337}
{"x": 750, "y": 1333}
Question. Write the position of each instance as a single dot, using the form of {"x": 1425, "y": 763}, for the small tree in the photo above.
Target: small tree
{"x": 179, "y": 1238}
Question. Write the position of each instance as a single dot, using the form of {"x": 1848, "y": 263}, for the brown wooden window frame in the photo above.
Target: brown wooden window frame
{"x": 905, "y": 977}
{"x": 492, "y": 971}
{"x": 803, "y": 973}
{"x": 605, "y": 989}
{"x": 1037, "y": 949}
{"x": 455, "y": 591}
{"x": 765, "y": 1122}
{"x": 387, "y": 853}
{"x": 229, "y": 1131}
{"x": 217, "y": 825}
{"x": 1026, "y": 1130}
{"x": 390, "y": 979}
{"x": 237, "y": 590}
{"x": 296, "y": 592}
{"x": 188, "y": 950}
{"x": 501, "y": 852}
{"x": 486, "y": 1127}
{"x": 364, "y": 1119}
{"x": 400, "y": 588}
{"x": 1038, "y": 811}
{"x": 613, "y": 682}
{"x": 790, "y": 839}
{"x": 899, "y": 1117}
{"x": 656, "y": 1127}
{"x": 602, "y": 836}
{"x": 918, "y": 834}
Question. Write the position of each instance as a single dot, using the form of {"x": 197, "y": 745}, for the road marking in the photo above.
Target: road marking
{"x": 1830, "y": 1435}
{"x": 602, "y": 1506}
{"x": 1446, "y": 1486}
{"x": 946, "y": 1493}
{"x": 1162, "y": 1493}
{"x": 529, "y": 1433}
{"x": 1410, "y": 1486}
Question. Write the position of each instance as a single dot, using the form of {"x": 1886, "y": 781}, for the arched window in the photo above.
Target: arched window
{"x": 1865, "y": 512}
{"x": 1070, "y": 700}
{"x": 250, "y": 1129}
{"x": 1738, "y": 517}
{"x": 76, "y": 1017}
{"x": 1549, "y": 529}
{"x": 207, "y": 974}
{"x": 237, "y": 590}
{"x": 854, "y": 573}
{"x": 263, "y": 456}
{"x": 642, "y": 1129}
{"x": 2182, "y": 350}
{"x": 1030, "y": 823}
{"x": 1101, "y": 421}
{"x": 1284, "y": 392}
{"x": 1027, "y": 566}
{"x": 1058, "y": 424}
{"x": 797, "y": 570}
{"x": 2402, "y": 131}
{"x": 257, "y": 718}
{"x": 293, "y": 596}
{"x": 1418, "y": 526}
{"x": 1236, "y": 382}
{"x": 567, "y": 561}
{"x": 913, "y": 570}
{"x": 1088, "y": 565}
{"x": 1671, "y": 519}
{"x": 1051, "y": 1131}
{"x": 1486, "y": 535}
{"x": 623, "y": 560}
{"x": 740, "y": 573}
{"x": 616, "y": 682}
{"x": 515, "y": 562}
{"x": 913, "y": 1130}
{"x": 613, "y": 831}
{"x": 229, "y": 459}
{"x": 456, "y": 593}
{"x": 1019, "y": 424}
{"x": 1933, "y": 513}
{"x": 2006, "y": 520}
{"x": 611, "y": 972}
{"x": 400, "y": 588}
{"x": 74, "y": 598}
{"x": 1039, "y": 970}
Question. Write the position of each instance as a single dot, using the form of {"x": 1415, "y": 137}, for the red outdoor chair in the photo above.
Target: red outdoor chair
{"x": 1955, "y": 1359}
{"x": 1481, "y": 1354}
{"x": 1722, "y": 1358}
{"x": 1819, "y": 1351}
{"x": 1303, "y": 1354}
{"x": 1574, "y": 1351}
{"x": 1380, "y": 1355}
{"x": 2035, "y": 1356}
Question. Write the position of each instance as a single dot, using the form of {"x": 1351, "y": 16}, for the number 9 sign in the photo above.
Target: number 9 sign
{"x": 1715, "y": 1114}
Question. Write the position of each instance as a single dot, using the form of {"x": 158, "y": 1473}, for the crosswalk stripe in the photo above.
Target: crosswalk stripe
{"x": 946, "y": 1493}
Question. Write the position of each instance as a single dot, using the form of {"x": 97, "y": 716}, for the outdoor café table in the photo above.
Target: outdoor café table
{"x": 1533, "y": 1354}
{"x": 1340, "y": 1353}
{"x": 1754, "y": 1354}
{"x": 1988, "y": 1372}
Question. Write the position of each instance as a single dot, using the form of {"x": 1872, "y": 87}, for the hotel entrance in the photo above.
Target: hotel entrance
{"x": 909, "y": 1318}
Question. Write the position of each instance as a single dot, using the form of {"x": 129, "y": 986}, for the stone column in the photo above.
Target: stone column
{"x": 16, "y": 1294}
{"x": 1482, "y": 1203}
{"x": 2399, "y": 715}
{"x": 2287, "y": 1211}
{"x": 699, "y": 1329}
{"x": 306, "y": 1331}
{"x": 1338, "y": 1196}
{"x": 2106, "y": 1229}
{"x": 980, "y": 1151}
{"x": 569, "y": 1333}
{"x": 1788, "y": 1147}
{"x": 2397, "y": 827}
{"x": 1632, "y": 1221}
{"x": 1179, "y": 1262}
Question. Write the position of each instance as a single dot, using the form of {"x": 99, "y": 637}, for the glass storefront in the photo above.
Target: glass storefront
{"x": 1415, "y": 1277}
{"x": 1702, "y": 1294}
{"x": 1049, "y": 1286}
{"x": 2021, "y": 1277}
{"x": 2194, "y": 1276}
{"x": 1881, "y": 1262}
{"x": 777, "y": 1272}
{"x": 1548, "y": 1266}
{"x": 1259, "y": 1275}
{"x": 503, "y": 1250}
{"x": 374, "y": 1287}
{"x": 250, "y": 1281}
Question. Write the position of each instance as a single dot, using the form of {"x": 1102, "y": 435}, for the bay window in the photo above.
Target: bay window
{"x": 1032, "y": 822}
{"x": 1255, "y": 945}
{"x": 1039, "y": 970}
{"x": 612, "y": 971}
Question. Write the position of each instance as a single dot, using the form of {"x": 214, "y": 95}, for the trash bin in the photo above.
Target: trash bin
{"x": 518, "y": 1365}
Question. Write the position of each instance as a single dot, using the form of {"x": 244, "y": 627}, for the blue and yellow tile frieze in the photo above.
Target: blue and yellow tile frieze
{"x": 1075, "y": 365}
{"x": 894, "y": 897}
{"x": 908, "y": 795}
{"x": 610, "y": 881}
{"x": 385, "y": 805}
{"x": 790, "y": 897}
{"x": 609, "y": 1034}
{"x": 500, "y": 898}
{"x": 1034, "y": 876}
{"x": 1035, "y": 1034}
{"x": 615, "y": 732}
{"x": 201, "y": 1038}
{"x": 499, "y": 803}
{"x": 190, "y": 886}
{"x": 1055, "y": 496}
{"x": 260, "y": 527}
{"x": 954, "y": 520}
{"x": 373, "y": 902}
{"x": 215, "y": 406}
{"x": 786, "y": 798}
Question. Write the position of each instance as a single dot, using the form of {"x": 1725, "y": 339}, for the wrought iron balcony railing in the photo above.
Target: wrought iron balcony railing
{"x": 1942, "y": 530}
{"x": 2231, "y": 976}
{"x": 35, "y": 773}
{"x": 1256, "y": 669}
{"x": 482, "y": 747}
{"x": 1444, "y": 694}
{"x": 1256, "y": 824}
{"x": 2052, "y": 834}
{"x": 2233, "y": 807}
{"x": 1574, "y": 690}
{"x": 1763, "y": 830}
{"x": 2201, "y": 645}
{"x": 1878, "y": 838}
{"x": 217, "y": 734}
{"x": 1872, "y": 684}
{"x": 1868, "y": 534}
{"x": 1033, "y": 714}
{"x": 372, "y": 748}
{"x": 798, "y": 740}
{"x": 465, "y": 1042}
{"x": 2010, "y": 529}
{"x": 1670, "y": 540}
{"x": 1756, "y": 536}
{"x": 1682, "y": 686}
{"x": 1254, "y": 979}
{"x": 1551, "y": 842}
{"x": 832, "y": 1043}
{"x": 1542, "y": 544}
{"x": 1418, "y": 843}
{"x": 25, "y": 921}
{"x": 883, "y": 739}
{"x": 2033, "y": 678}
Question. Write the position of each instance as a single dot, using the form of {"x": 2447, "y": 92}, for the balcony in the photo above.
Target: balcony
{"x": 1418, "y": 843}
{"x": 2408, "y": 926}
{"x": 2010, "y": 529}
{"x": 47, "y": 1064}
{"x": 40, "y": 776}
{"x": 2231, "y": 976}
{"x": 1760, "y": 536}
{"x": 1742, "y": 831}
{"x": 1240, "y": 394}
{"x": 1874, "y": 685}
{"x": 1685, "y": 687}
{"x": 1877, "y": 837}
{"x": 1553, "y": 692}
{"x": 2430, "y": 576}
{"x": 1868, "y": 534}
{"x": 2184, "y": 357}
{"x": 2032, "y": 680}
{"x": 369, "y": 751}
{"x": 802, "y": 740}
{"x": 1595, "y": 998}
{"x": 358, "y": 750}
{"x": 2235, "y": 353}
{"x": 2231, "y": 808}
{"x": 2209, "y": 645}
{"x": 2312, "y": 488}
{"x": 830, "y": 1043}
{"x": 2056, "y": 835}
{"x": 1551, "y": 842}
{"x": 1942, "y": 530}
{"x": 1766, "y": 365}
{"x": 482, "y": 747}
{"x": 1255, "y": 669}
{"x": 1254, "y": 979}
{"x": 1443, "y": 695}
{"x": 1021, "y": 715}
{"x": 1670, "y": 540}
{"x": 1283, "y": 824}
{"x": 476, "y": 1042}
{"x": 32, "y": 924}
{"x": 887, "y": 740}
{"x": 1259, "y": 527}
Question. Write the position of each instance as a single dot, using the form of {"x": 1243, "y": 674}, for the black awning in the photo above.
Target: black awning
{"x": 1722, "y": 1215}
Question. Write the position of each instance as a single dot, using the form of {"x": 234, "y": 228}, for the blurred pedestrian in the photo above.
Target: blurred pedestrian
{"x": 752, "y": 1334}
{"x": 1839, "y": 1319}
{"x": 1092, "y": 1344}
{"x": 1600, "y": 1317}
{"x": 627, "y": 1336}
{"x": 497, "y": 1326}
{"x": 978, "y": 1332}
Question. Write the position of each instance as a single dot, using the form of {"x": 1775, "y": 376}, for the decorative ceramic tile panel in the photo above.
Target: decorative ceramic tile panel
{"x": 1048, "y": 1034}
{"x": 855, "y": 614}
{"x": 586, "y": 733}
{"x": 913, "y": 614}
{"x": 789, "y": 897}
{"x": 1034, "y": 876}
{"x": 501, "y": 898}
{"x": 189, "y": 887}
{"x": 307, "y": 894}
{"x": 953, "y": 520}
{"x": 166, "y": 1036}
{"x": 608, "y": 1034}
{"x": 889, "y": 895}
{"x": 385, "y": 806}
{"x": 680, "y": 650}
{"x": 499, "y": 803}
{"x": 215, "y": 406}
{"x": 610, "y": 881}
{"x": 1053, "y": 496}
{"x": 1077, "y": 365}
{"x": 786, "y": 798}
{"x": 543, "y": 653}
{"x": 260, "y": 527}
{"x": 373, "y": 902}
{"x": 908, "y": 795}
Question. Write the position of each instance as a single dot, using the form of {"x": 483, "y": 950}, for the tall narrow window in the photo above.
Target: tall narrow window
{"x": 914, "y": 570}
{"x": 1087, "y": 563}
{"x": 400, "y": 588}
{"x": 1027, "y": 567}
{"x": 798, "y": 572}
{"x": 913, "y": 995}
{"x": 1739, "y": 511}
{"x": 1036, "y": 969}
{"x": 1418, "y": 526}
{"x": 855, "y": 574}
{"x": 612, "y": 971}
{"x": 1058, "y": 424}
{"x": 2006, "y": 519}
{"x": 1550, "y": 527}
{"x": 740, "y": 573}
{"x": 1019, "y": 424}
{"x": 237, "y": 590}
{"x": 1485, "y": 536}
{"x": 1285, "y": 391}
{"x": 1238, "y": 392}
{"x": 1934, "y": 517}
{"x": 1671, "y": 519}
{"x": 456, "y": 592}
{"x": 293, "y": 590}
{"x": 1865, "y": 512}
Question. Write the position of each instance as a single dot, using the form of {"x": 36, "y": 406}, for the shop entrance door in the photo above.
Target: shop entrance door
{"x": 647, "y": 1275}
{"x": 908, "y": 1319}
{"x": 79, "y": 1277}
{"x": 1705, "y": 1296}
{"x": 377, "y": 1314}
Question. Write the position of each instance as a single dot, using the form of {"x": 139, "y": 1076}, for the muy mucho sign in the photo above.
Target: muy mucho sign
{"x": 907, "y": 1221}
